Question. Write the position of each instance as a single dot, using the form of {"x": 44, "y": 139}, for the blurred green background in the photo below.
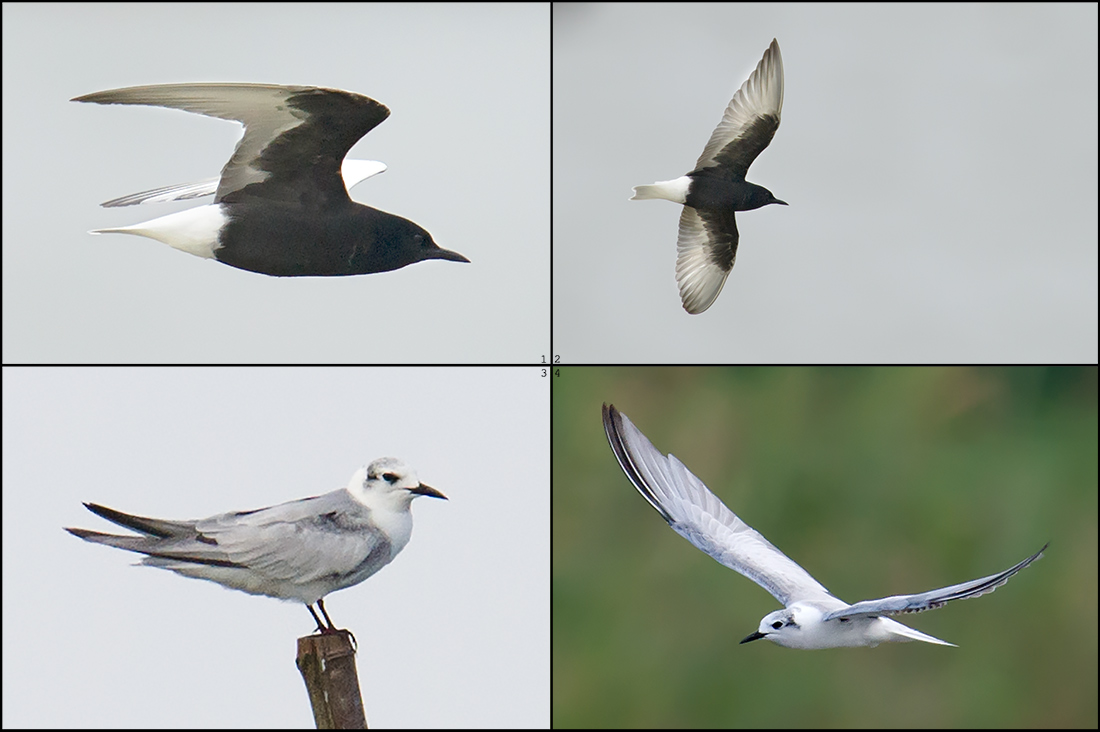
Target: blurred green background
{"x": 879, "y": 481}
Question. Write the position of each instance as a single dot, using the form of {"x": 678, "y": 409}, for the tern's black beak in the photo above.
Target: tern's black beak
{"x": 427, "y": 490}
{"x": 755, "y": 636}
{"x": 442, "y": 253}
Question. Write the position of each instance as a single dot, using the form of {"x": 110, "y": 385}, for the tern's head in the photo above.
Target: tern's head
{"x": 788, "y": 627}
{"x": 388, "y": 480}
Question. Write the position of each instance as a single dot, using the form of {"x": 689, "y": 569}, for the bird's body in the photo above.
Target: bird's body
{"x": 813, "y": 618}
{"x": 716, "y": 188}
{"x": 301, "y": 550}
{"x": 281, "y": 205}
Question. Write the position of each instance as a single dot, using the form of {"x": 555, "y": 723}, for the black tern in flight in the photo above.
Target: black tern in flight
{"x": 716, "y": 188}
{"x": 281, "y": 206}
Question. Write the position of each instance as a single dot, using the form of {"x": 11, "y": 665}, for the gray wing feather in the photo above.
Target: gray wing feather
{"x": 354, "y": 172}
{"x": 300, "y": 541}
{"x": 303, "y": 541}
{"x": 179, "y": 192}
{"x": 901, "y": 604}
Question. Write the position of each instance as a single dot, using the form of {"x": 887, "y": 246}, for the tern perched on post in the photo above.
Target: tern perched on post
{"x": 301, "y": 550}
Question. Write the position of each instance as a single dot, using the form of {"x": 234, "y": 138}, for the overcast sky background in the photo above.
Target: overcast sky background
{"x": 940, "y": 162}
{"x": 467, "y": 145}
{"x": 454, "y": 633}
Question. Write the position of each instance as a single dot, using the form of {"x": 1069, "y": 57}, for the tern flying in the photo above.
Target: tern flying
{"x": 813, "y": 618}
{"x": 716, "y": 188}
{"x": 281, "y": 207}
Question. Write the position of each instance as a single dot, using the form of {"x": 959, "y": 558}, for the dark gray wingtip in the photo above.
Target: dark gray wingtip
{"x": 150, "y": 526}
{"x": 614, "y": 426}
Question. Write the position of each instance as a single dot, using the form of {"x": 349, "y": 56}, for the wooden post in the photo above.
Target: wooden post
{"x": 327, "y": 664}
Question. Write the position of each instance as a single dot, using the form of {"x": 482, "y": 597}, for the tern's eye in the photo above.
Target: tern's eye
{"x": 390, "y": 477}
{"x": 777, "y": 624}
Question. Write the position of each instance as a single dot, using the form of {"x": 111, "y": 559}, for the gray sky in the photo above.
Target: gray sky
{"x": 454, "y": 633}
{"x": 940, "y": 162}
{"x": 467, "y": 144}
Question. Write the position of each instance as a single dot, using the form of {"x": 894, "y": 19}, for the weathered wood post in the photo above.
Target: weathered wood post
{"x": 327, "y": 664}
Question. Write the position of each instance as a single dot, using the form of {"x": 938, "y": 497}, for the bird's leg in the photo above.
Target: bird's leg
{"x": 331, "y": 628}
{"x": 320, "y": 626}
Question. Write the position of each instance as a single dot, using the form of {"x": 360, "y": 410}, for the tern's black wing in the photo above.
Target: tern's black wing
{"x": 295, "y": 137}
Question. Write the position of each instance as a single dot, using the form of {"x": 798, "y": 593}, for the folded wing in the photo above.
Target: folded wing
{"x": 285, "y": 551}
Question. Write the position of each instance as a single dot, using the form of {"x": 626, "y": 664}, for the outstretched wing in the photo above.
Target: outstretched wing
{"x": 705, "y": 250}
{"x": 751, "y": 118}
{"x": 700, "y": 517}
{"x": 901, "y": 604}
{"x": 295, "y": 137}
